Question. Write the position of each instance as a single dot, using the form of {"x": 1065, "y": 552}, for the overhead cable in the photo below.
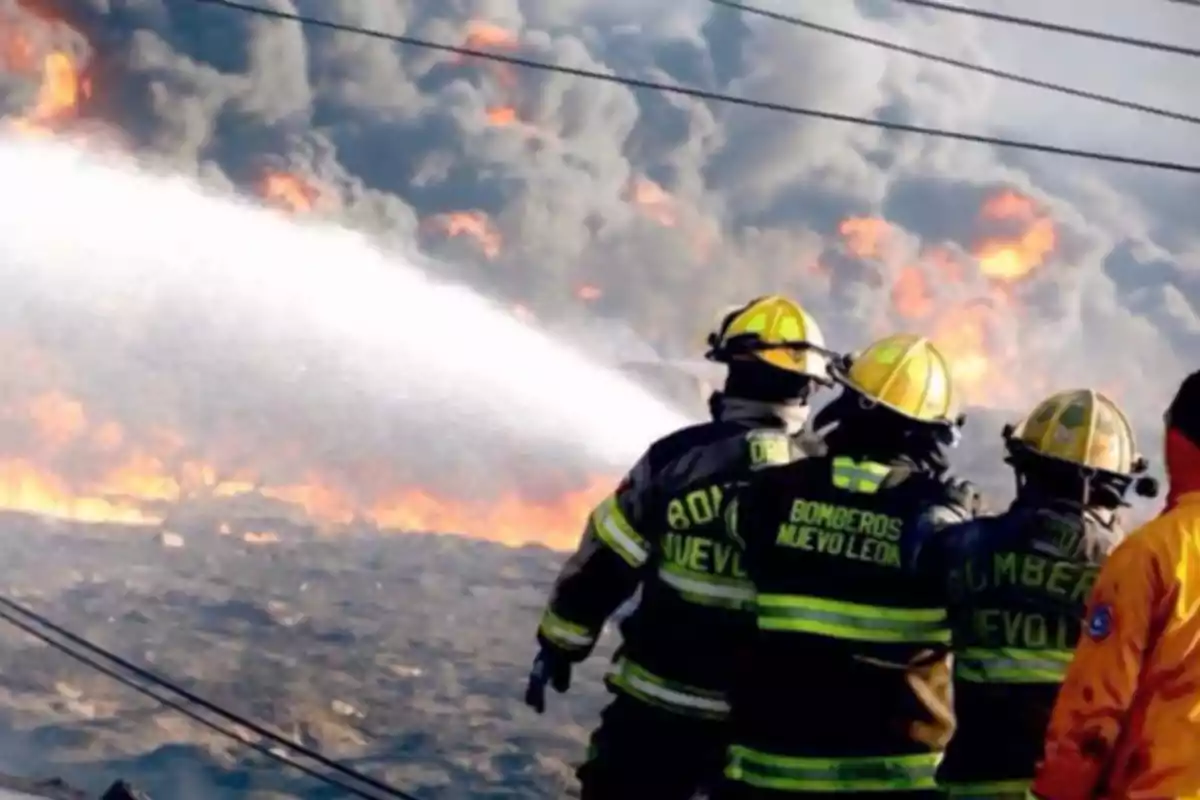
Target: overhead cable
{"x": 1054, "y": 27}
{"x": 704, "y": 94}
{"x": 954, "y": 62}
{"x": 35, "y": 625}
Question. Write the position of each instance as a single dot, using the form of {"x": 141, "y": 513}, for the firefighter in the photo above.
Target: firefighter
{"x": 663, "y": 735}
{"x": 846, "y": 684}
{"x": 1019, "y": 581}
{"x": 1127, "y": 720}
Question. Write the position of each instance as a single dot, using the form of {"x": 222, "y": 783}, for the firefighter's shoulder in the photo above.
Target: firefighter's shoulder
{"x": 712, "y": 451}
{"x": 670, "y": 448}
{"x": 771, "y": 483}
{"x": 758, "y": 448}
{"x": 769, "y": 447}
{"x": 1159, "y": 543}
{"x": 978, "y": 534}
{"x": 679, "y": 441}
{"x": 939, "y": 489}
{"x": 1166, "y": 527}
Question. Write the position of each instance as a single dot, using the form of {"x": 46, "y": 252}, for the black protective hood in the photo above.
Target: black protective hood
{"x": 880, "y": 434}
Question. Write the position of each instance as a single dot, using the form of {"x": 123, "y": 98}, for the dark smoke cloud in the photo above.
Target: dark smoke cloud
{"x": 400, "y": 135}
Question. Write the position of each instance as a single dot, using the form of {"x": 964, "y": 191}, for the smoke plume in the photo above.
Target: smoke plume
{"x": 599, "y": 208}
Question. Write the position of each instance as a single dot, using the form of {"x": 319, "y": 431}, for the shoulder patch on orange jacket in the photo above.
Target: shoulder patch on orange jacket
{"x": 1100, "y": 622}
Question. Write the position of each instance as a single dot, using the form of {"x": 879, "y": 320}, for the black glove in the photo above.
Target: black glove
{"x": 548, "y": 668}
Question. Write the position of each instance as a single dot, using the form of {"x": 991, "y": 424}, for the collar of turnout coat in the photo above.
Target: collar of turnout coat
{"x": 791, "y": 417}
{"x": 1183, "y": 469}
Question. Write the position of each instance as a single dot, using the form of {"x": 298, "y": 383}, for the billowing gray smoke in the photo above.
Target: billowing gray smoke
{"x": 576, "y": 199}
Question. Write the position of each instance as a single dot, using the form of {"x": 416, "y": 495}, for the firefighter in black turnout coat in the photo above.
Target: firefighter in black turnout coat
{"x": 663, "y": 736}
{"x": 845, "y": 691}
{"x": 1019, "y": 584}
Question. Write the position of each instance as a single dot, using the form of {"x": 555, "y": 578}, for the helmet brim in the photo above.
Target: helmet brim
{"x": 747, "y": 346}
{"x": 839, "y": 371}
{"x": 1018, "y": 448}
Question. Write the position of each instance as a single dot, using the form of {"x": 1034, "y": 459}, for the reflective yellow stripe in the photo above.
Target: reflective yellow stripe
{"x": 841, "y": 620}
{"x": 639, "y": 682}
{"x": 705, "y": 589}
{"x": 769, "y": 448}
{"x": 564, "y": 633}
{"x": 1011, "y": 665}
{"x": 869, "y": 774}
{"x": 988, "y": 790}
{"x": 615, "y": 531}
{"x": 864, "y": 477}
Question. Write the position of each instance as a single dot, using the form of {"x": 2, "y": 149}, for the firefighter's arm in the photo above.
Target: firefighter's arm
{"x": 957, "y": 502}
{"x": 604, "y": 571}
{"x": 1094, "y": 702}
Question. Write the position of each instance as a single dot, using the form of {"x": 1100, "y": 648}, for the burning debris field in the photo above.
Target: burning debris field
{"x": 398, "y": 655}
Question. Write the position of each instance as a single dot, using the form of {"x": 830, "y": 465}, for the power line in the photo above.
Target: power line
{"x": 147, "y": 675}
{"x": 704, "y": 94}
{"x": 7, "y": 609}
{"x": 182, "y": 709}
{"x": 954, "y": 62}
{"x": 1054, "y": 27}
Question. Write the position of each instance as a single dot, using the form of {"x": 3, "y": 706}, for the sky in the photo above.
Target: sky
{"x": 598, "y": 209}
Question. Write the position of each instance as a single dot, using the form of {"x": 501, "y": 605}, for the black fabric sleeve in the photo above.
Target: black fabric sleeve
{"x": 605, "y": 569}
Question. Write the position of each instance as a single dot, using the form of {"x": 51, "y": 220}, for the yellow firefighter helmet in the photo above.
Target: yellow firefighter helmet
{"x": 1082, "y": 427}
{"x": 907, "y": 374}
{"x": 774, "y": 330}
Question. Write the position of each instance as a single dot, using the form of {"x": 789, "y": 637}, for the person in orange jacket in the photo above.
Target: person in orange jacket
{"x": 1126, "y": 723}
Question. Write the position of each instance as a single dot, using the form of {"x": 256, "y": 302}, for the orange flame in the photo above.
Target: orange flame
{"x": 1010, "y": 259}
{"x": 864, "y": 236}
{"x": 143, "y": 486}
{"x": 485, "y": 36}
{"x": 509, "y": 519}
{"x": 507, "y": 117}
{"x": 969, "y": 332}
{"x": 474, "y": 224}
{"x": 61, "y": 91}
{"x": 654, "y": 201}
{"x": 911, "y": 294}
{"x": 701, "y": 231}
{"x": 287, "y": 191}
{"x": 26, "y": 487}
{"x": 502, "y": 115}
{"x": 482, "y": 35}
{"x": 962, "y": 335}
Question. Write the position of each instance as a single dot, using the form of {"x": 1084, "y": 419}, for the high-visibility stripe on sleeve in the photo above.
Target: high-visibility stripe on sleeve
{"x": 566, "y": 634}
{"x": 842, "y": 620}
{"x": 819, "y": 775}
{"x": 987, "y": 790}
{"x": 1011, "y": 665}
{"x": 640, "y": 683}
{"x": 864, "y": 477}
{"x": 615, "y": 531}
{"x": 704, "y": 589}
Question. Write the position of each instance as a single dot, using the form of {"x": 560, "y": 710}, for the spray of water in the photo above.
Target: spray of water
{"x": 255, "y": 333}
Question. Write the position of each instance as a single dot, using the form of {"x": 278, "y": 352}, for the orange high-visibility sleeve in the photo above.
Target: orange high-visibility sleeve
{"x": 1093, "y": 705}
